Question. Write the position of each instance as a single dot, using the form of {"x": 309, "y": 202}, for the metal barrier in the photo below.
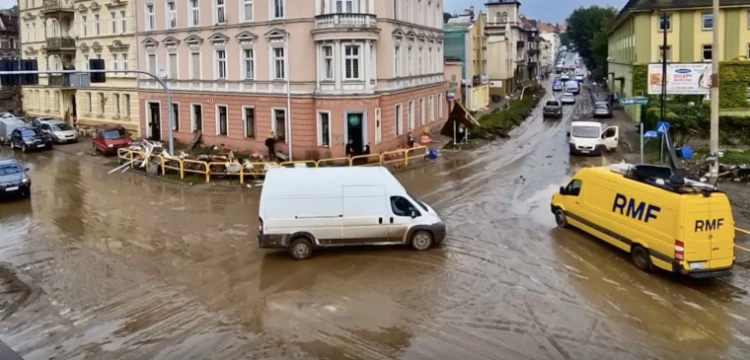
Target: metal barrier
{"x": 195, "y": 167}
{"x": 301, "y": 163}
{"x": 419, "y": 152}
{"x": 366, "y": 160}
{"x": 344, "y": 161}
{"x": 259, "y": 168}
{"x": 170, "y": 164}
{"x": 393, "y": 157}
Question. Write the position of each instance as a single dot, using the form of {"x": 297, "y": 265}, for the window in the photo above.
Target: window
{"x": 420, "y": 68}
{"x": 707, "y": 52}
{"x": 195, "y": 65}
{"x": 279, "y": 63}
{"x": 324, "y": 128}
{"x": 152, "y": 63}
{"x": 431, "y": 104}
{"x": 97, "y": 28}
{"x": 221, "y": 120}
{"x": 327, "y": 52}
{"x": 662, "y": 52}
{"x": 277, "y": 9}
{"x": 410, "y": 114}
{"x": 403, "y": 207}
{"x": 345, "y": 6}
{"x": 176, "y": 117}
{"x": 247, "y": 10}
{"x": 150, "y": 19}
{"x": 102, "y": 103}
{"x": 117, "y": 105}
{"x": 421, "y": 112}
{"x": 573, "y": 188}
{"x": 408, "y": 10}
{"x": 397, "y": 61}
{"x": 429, "y": 13}
{"x": 248, "y": 64}
{"x": 221, "y": 64}
{"x": 665, "y": 22}
{"x": 248, "y": 119}
{"x": 409, "y": 61}
{"x": 221, "y": 15}
{"x": 173, "y": 65}
{"x": 197, "y": 117}
{"x": 279, "y": 124}
{"x": 46, "y": 100}
{"x": 126, "y": 107}
{"x": 113, "y": 20}
{"x": 708, "y": 21}
{"x": 115, "y": 63}
{"x": 430, "y": 70}
{"x": 123, "y": 22}
{"x": 171, "y": 13}
{"x": 194, "y": 14}
{"x": 89, "y": 106}
{"x": 395, "y": 9}
{"x": 351, "y": 62}
{"x": 398, "y": 120}
{"x": 124, "y": 60}
{"x": 84, "y": 26}
{"x": 57, "y": 100}
{"x": 419, "y": 12}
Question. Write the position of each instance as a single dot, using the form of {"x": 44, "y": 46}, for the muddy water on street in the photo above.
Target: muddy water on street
{"x": 101, "y": 266}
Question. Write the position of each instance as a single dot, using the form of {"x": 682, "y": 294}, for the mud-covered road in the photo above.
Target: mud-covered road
{"x": 121, "y": 266}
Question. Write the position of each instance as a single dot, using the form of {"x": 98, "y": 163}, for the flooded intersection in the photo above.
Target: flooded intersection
{"x": 100, "y": 266}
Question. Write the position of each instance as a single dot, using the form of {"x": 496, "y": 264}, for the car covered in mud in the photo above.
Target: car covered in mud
{"x": 553, "y": 109}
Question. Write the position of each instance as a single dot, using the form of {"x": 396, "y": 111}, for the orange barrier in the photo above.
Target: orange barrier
{"x": 170, "y": 164}
{"x": 195, "y": 167}
{"x": 419, "y": 152}
{"x": 366, "y": 160}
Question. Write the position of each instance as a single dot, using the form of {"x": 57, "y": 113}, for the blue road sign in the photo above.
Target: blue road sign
{"x": 651, "y": 135}
{"x": 662, "y": 127}
{"x": 638, "y": 100}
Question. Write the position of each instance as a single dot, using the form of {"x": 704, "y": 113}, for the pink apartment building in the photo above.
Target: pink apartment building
{"x": 316, "y": 72}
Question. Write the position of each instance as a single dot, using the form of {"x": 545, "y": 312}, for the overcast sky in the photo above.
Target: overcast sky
{"x": 553, "y": 11}
{"x": 4, "y": 4}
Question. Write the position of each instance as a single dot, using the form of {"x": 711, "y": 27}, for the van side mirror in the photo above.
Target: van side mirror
{"x": 562, "y": 190}
{"x": 413, "y": 214}
{"x": 568, "y": 133}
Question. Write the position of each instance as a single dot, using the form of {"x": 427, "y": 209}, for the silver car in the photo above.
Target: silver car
{"x": 568, "y": 99}
{"x": 602, "y": 110}
{"x": 60, "y": 131}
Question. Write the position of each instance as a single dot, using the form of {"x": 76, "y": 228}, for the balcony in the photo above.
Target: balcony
{"x": 61, "y": 44}
{"x": 70, "y": 81}
{"x": 355, "y": 26}
{"x": 53, "y": 6}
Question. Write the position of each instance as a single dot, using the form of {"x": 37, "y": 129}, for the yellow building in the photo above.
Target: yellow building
{"x": 636, "y": 39}
{"x": 464, "y": 39}
{"x": 65, "y": 35}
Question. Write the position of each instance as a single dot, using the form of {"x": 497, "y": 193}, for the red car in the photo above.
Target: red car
{"x": 108, "y": 138}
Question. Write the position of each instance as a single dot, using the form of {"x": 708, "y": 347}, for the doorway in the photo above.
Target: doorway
{"x": 73, "y": 111}
{"x": 355, "y": 130}
{"x": 154, "y": 121}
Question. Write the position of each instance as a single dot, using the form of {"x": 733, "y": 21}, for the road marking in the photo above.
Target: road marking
{"x": 742, "y": 248}
{"x": 746, "y": 232}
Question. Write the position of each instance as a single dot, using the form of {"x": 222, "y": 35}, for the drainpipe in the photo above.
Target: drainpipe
{"x": 288, "y": 97}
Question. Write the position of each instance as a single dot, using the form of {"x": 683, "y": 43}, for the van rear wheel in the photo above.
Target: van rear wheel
{"x": 640, "y": 257}
{"x": 300, "y": 248}
{"x": 421, "y": 240}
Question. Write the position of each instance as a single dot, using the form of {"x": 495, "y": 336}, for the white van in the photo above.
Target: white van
{"x": 306, "y": 208}
{"x": 572, "y": 87}
{"x": 588, "y": 138}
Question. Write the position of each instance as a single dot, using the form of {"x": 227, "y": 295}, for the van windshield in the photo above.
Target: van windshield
{"x": 588, "y": 132}
{"x": 421, "y": 204}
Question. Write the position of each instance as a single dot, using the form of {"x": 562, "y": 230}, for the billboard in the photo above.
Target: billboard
{"x": 682, "y": 79}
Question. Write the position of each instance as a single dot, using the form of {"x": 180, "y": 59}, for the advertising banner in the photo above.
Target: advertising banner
{"x": 682, "y": 79}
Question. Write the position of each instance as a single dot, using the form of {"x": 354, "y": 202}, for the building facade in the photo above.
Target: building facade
{"x": 504, "y": 20}
{"x": 636, "y": 38}
{"x": 10, "y": 96}
{"x": 465, "y": 42}
{"x": 315, "y": 73}
{"x": 65, "y": 35}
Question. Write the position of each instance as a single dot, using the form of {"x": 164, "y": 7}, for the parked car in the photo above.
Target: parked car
{"x": 553, "y": 109}
{"x": 557, "y": 86}
{"x": 7, "y": 125}
{"x": 30, "y": 138}
{"x": 602, "y": 109}
{"x": 38, "y": 121}
{"x": 13, "y": 178}
{"x": 61, "y": 132}
{"x": 568, "y": 99}
{"x": 108, "y": 138}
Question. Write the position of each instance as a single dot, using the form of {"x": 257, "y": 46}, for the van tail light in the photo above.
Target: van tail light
{"x": 260, "y": 226}
{"x": 679, "y": 250}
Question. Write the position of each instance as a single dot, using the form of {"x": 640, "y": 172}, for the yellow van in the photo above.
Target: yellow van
{"x": 669, "y": 223}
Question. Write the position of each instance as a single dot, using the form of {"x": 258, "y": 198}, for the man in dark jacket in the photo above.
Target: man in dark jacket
{"x": 410, "y": 140}
{"x": 350, "y": 148}
{"x": 271, "y": 146}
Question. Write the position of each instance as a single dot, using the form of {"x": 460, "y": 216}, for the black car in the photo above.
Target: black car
{"x": 30, "y": 138}
{"x": 13, "y": 179}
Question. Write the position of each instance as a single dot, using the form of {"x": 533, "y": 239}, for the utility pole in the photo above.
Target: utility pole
{"x": 663, "y": 24}
{"x": 714, "y": 175}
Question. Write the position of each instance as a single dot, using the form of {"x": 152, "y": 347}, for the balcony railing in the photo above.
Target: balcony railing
{"x": 70, "y": 80}
{"x": 63, "y": 43}
{"x": 58, "y": 5}
{"x": 346, "y": 21}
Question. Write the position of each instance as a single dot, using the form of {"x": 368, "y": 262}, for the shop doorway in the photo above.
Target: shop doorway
{"x": 154, "y": 121}
{"x": 355, "y": 130}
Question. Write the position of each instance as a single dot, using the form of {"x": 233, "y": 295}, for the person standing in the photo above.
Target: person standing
{"x": 271, "y": 146}
{"x": 410, "y": 140}
{"x": 350, "y": 148}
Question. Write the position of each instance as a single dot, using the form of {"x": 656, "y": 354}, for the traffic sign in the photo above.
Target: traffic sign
{"x": 638, "y": 100}
{"x": 650, "y": 135}
{"x": 662, "y": 127}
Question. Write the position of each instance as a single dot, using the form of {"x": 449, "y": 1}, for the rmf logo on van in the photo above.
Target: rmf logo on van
{"x": 639, "y": 210}
{"x": 708, "y": 225}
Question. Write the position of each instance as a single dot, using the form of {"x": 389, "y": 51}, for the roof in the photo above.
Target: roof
{"x": 286, "y": 182}
{"x": 586, "y": 123}
{"x": 649, "y": 5}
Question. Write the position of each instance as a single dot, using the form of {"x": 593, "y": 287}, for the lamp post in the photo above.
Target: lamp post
{"x": 714, "y": 141}
{"x": 663, "y": 24}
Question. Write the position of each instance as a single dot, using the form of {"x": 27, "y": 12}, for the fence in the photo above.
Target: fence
{"x": 209, "y": 169}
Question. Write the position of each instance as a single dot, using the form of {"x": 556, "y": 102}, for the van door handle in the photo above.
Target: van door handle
{"x": 578, "y": 203}
{"x": 391, "y": 220}
{"x": 380, "y": 220}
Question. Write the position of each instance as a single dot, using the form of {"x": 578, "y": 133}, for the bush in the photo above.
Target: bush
{"x": 498, "y": 123}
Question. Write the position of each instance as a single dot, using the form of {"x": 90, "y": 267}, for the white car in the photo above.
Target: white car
{"x": 589, "y": 138}
{"x": 568, "y": 99}
{"x": 61, "y": 132}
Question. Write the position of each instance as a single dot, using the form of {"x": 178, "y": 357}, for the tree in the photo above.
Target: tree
{"x": 587, "y": 29}
{"x": 564, "y": 39}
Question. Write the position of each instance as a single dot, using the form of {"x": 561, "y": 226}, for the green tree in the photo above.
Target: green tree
{"x": 587, "y": 30}
{"x": 565, "y": 39}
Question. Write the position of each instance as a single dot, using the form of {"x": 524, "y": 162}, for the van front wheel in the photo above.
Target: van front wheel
{"x": 641, "y": 258}
{"x": 300, "y": 248}
{"x": 421, "y": 240}
{"x": 560, "y": 218}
